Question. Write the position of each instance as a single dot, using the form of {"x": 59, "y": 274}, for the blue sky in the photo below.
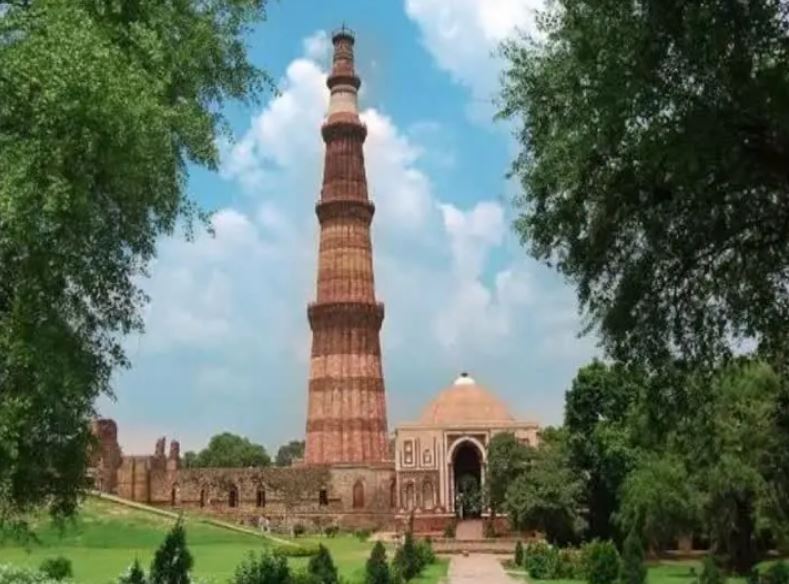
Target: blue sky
{"x": 227, "y": 342}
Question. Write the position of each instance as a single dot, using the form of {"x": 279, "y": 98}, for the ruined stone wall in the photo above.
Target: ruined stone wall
{"x": 351, "y": 497}
{"x": 105, "y": 456}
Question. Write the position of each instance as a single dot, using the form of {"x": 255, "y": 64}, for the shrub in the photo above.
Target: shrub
{"x": 710, "y": 572}
{"x": 331, "y": 530}
{"x": 322, "y": 568}
{"x": 778, "y": 573}
{"x": 407, "y": 560}
{"x": 541, "y": 560}
{"x": 569, "y": 565}
{"x": 58, "y": 568}
{"x": 268, "y": 568}
{"x": 14, "y": 575}
{"x": 134, "y": 575}
{"x": 601, "y": 562}
{"x": 752, "y": 577}
{"x": 172, "y": 561}
{"x": 451, "y": 528}
{"x": 519, "y": 554}
{"x": 299, "y": 530}
{"x": 425, "y": 553}
{"x": 376, "y": 571}
{"x": 362, "y": 534}
{"x": 633, "y": 569}
{"x": 302, "y": 550}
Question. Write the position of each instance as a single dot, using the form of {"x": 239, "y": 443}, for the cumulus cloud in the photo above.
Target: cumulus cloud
{"x": 464, "y": 35}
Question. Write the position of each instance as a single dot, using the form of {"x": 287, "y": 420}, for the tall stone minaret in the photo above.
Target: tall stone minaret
{"x": 346, "y": 418}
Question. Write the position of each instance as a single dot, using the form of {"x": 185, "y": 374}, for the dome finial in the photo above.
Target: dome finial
{"x": 464, "y": 379}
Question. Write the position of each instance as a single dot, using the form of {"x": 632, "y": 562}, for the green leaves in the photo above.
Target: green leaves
{"x": 654, "y": 147}
{"x": 102, "y": 107}
{"x": 228, "y": 450}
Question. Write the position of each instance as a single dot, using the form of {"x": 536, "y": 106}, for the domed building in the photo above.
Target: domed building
{"x": 440, "y": 459}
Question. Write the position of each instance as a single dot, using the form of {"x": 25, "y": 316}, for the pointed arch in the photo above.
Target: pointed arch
{"x": 232, "y": 496}
{"x": 428, "y": 495}
{"x": 261, "y": 496}
{"x": 358, "y": 495}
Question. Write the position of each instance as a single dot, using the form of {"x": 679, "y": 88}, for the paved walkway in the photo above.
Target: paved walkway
{"x": 469, "y": 529}
{"x": 478, "y": 569}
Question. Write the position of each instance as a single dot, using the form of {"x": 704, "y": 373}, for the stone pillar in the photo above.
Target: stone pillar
{"x": 346, "y": 417}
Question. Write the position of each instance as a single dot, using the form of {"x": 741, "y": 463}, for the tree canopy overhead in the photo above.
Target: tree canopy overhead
{"x": 102, "y": 107}
{"x": 654, "y": 152}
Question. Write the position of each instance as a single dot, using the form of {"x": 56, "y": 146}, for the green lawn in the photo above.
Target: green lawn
{"x": 665, "y": 572}
{"x": 106, "y": 537}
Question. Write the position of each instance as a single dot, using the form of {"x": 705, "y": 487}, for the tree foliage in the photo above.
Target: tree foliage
{"x": 321, "y": 567}
{"x": 547, "y": 497}
{"x": 729, "y": 444}
{"x": 289, "y": 452}
{"x": 172, "y": 562}
{"x": 658, "y": 501}
{"x": 507, "y": 458}
{"x": 634, "y": 571}
{"x": 267, "y": 568}
{"x": 654, "y": 146}
{"x": 598, "y": 438}
{"x": 103, "y": 105}
{"x": 377, "y": 568}
{"x": 228, "y": 450}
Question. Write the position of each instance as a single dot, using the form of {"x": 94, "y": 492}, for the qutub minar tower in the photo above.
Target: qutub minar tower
{"x": 349, "y": 476}
{"x": 346, "y": 418}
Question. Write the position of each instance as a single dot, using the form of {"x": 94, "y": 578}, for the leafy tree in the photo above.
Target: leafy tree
{"x": 507, "y": 458}
{"x": 633, "y": 569}
{"x": 658, "y": 502}
{"x": 376, "y": 568}
{"x": 134, "y": 575}
{"x": 172, "y": 562}
{"x": 289, "y": 452}
{"x": 103, "y": 107}
{"x": 729, "y": 445}
{"x": 598, "y": 439}
{"x": 228, "y": 450}
{"x": 547, "y": 497}
{"x": 189, "y": 459}
{"x": 322, "y": 568}
{"x": 653, "y": 163}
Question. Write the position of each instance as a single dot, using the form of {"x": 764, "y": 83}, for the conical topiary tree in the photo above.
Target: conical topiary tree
{"x": 519, "y": 554}
{"x": 633, "y": 569}
{"x": 377, "y": 568}
{"x": 134, "y": 575}
{"x": 321, "y": 567}
{"x": 172, "y": 561}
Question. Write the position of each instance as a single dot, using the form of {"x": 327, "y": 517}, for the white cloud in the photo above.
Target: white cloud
{"x": 463, "y": 36}
{"x": 317, "y": 47}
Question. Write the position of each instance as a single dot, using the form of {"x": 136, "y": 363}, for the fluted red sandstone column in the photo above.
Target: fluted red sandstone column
{"x": 346, "y": 418}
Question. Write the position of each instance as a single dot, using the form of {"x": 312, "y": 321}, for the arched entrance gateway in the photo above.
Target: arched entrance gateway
{"x": 467, "y": 476}
{"x": 446, "y": 448}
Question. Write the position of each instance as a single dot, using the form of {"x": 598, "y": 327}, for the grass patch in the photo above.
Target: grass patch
{"x": 664, "y": 572}
{"x": 106, "y": 537}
